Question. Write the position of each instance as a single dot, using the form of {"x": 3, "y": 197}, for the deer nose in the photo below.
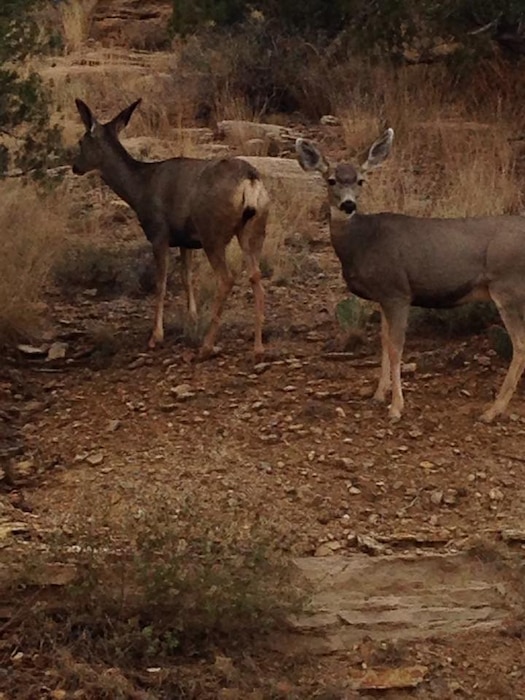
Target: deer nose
{"x": 348, "y": 206}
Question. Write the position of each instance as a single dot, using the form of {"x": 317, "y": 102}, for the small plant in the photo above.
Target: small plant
{"x": 149, "y": 586}
{"x": 33, "y": 238}
{"x": 352, "y": 313}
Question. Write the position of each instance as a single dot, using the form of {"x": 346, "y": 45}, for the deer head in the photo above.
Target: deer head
{"x": 97, "y": 144}
{"x": 344, "y": 180}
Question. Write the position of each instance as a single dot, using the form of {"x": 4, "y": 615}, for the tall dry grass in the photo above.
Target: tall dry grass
{"x": 77, "y": 18}
{"x": 33, "y": 235}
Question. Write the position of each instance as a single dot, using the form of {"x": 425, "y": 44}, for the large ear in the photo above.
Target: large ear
{"x": 86, "y": 115}
{"x": 122, "y": 119}
{"x": 379, "y": 150}
{"x": 310, "y": 157}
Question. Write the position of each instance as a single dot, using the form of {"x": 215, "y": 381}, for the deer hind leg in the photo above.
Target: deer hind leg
{"x": 161, "y": 256}
{"x": 224, "y": 280}
{"x": 251, "y": 240}
{"x": 385, "y": 382}
{"x": 514, "y": 319}
{"x": 396, "y": 317}
{"x": 186, "y": 257}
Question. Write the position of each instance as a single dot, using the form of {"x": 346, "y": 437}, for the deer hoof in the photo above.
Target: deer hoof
{"x": 488, "y": 416}
{"x": 154, "y": 341}
{"x": 206, "y": 352}
{"x": 394, "y": 414}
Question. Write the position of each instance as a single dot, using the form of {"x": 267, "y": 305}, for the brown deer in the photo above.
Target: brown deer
{"x": 401, "y": 261}
{"x": 185, "y": 203}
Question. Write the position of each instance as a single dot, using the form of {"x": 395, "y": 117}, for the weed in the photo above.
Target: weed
{"x": 150, "y": 584}
{"x": 33, "y": 239}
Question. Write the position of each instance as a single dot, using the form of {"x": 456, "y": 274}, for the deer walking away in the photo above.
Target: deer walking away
{"x": 189, "y": 203}
{"x": 400, "y": 261}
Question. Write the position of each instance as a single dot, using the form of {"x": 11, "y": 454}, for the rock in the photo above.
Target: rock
{"x": 95, "y": 459}
{"x": 31, "y": 350}
{"x": 255, "y": 147}
{"x": 113, "y": 425}
{"x": 496, "y": 495}
{"x": 450, "y": 497}
{"x": 12, "y": 529}
{"x": 330, "y": 120}
{"x": 369, "y": 545}
{"x": 238, "y": 132}
{"x": 182, "y": 392}
{"x": 58, "y": 695}
{"x": 139, "y": 362}
{"x": 436, "y": 497}
{"x": 57, "y": 351}
{"x": 328, "y": 548}
{"x": 387, "y": 678}
{"x": 23, "y": 469}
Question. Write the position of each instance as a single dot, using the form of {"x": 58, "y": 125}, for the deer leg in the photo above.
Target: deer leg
{"x": 160, "y": 254}
{"x": 251, "y": 241}
{"x": 186, "y": 257}
{"x": 224, "y": 286}
{"x": 396, "y": 316}
{"x": 384, "y": 380}
{"x": 513, "y": 318}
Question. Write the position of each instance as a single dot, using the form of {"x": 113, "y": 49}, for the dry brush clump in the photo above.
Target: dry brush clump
{"x": 141, "y": 586}
{"x": 33, "y": 228}
{"x": 76, "y": 17}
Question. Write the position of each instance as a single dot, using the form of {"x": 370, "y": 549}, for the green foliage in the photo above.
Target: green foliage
{"x": 375, "y": 25}
{"x": 352, "y": 313}
{"x": 27, "y": 140}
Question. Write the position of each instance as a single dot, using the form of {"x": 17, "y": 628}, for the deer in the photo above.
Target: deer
{"x": 399, "y": 261}
{"x": 185, "y": 203}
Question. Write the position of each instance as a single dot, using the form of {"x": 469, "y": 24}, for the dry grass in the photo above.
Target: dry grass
{"x": 34, "y": 233}
{"x": 77, "y": 17}
{"x": 141, "y": 584}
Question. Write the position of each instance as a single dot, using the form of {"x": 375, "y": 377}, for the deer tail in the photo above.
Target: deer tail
{"x": 254, "y": 198}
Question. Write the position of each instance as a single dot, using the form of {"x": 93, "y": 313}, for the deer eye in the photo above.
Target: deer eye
{"x": 331, "y": 181}
{"x": 360, "y": 182}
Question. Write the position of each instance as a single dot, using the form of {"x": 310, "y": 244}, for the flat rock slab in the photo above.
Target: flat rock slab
{"x": 389, "y": 597}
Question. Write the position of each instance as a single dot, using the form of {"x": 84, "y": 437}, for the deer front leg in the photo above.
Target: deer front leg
{"x": 160, "y": 254}
{"x": 396, "y": 315}
{"x": 186, "y": 257}
{"x": 385, "y": 382}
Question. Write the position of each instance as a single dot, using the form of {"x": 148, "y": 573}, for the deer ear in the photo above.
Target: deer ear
{"x": 379, "y": 150}
{"x": 310, "y": 157}
{"x": 86, "y": 115}
{"x": 122, "y": 119}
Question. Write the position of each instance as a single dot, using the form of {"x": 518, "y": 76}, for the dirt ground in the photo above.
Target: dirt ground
{"x": 294, "y": 440}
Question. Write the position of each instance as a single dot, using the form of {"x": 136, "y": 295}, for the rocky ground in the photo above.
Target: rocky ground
{"x": 411, "y": 534}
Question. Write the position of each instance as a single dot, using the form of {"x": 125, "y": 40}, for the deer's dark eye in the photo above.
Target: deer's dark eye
{"x": 331, "y": 181}
{"x": 360, "y": 182}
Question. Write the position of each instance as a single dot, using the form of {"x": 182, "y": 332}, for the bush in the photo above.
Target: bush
{"x": 33, "y": 236}
{"x": 162, "y": 580}
{"x": 29, "y": 142}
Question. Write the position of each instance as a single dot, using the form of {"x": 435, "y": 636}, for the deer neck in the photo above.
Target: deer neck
{"x": 124, "y": 175}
